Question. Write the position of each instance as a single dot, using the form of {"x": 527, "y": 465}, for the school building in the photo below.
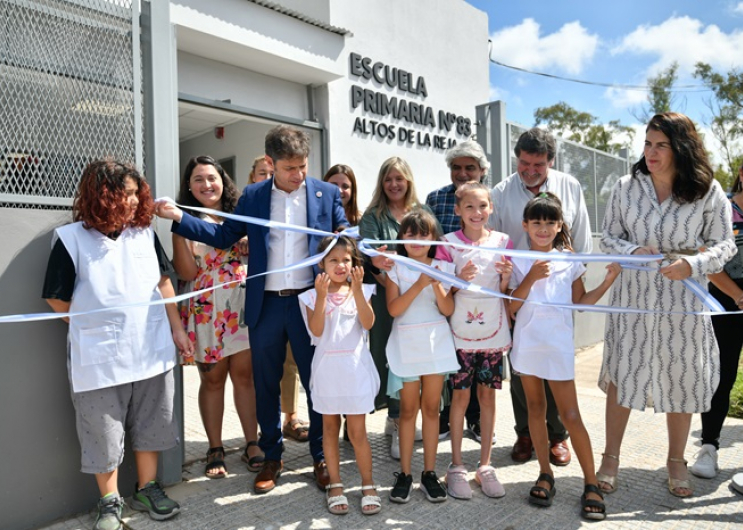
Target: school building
{"x": 156, "y": 82}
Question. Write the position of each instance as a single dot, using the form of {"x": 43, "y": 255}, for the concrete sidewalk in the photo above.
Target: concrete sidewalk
{"x": 641, "y": 502}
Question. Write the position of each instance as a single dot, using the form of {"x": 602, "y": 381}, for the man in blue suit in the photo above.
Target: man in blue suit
{"x": 272, "y": 311}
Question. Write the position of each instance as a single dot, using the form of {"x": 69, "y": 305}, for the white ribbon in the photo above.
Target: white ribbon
{"x": 454, "y": 281}
{"x": 627, "y": 261}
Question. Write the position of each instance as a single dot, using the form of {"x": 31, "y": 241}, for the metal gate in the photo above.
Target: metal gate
{"x": 70, "y": 92}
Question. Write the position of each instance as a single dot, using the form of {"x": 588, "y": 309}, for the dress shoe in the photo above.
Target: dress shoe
{"x": 322, "y": 478}
{"x": 522, "y": 449}
{"x": 559, "y": 453}
{"x": 267, "y": 477}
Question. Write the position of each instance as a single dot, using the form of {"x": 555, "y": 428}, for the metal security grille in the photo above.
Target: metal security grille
{"x": 596, "y": 171}
{"x": 69, "y": 93}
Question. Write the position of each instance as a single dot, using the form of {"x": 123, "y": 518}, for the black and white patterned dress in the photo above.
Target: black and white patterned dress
{"x": 666, "y": 361}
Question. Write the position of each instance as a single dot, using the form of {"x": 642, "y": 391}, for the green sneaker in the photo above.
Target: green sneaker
{"x": 153, "y": 499}
{"x": 109, "y": 512}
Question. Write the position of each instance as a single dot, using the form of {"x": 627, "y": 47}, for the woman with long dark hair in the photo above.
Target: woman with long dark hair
{"x": 669, "y": 204}
{"x": 214, "y": 320}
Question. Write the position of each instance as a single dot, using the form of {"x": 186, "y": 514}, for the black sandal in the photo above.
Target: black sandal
{"x": 540, "y": 496}
{"x": 255, "y": 463}
{"x": 586, "y": 503}
{"x": 215, "y": 460}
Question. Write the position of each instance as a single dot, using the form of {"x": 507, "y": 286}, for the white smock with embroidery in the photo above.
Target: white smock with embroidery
{"x": 421, "y": 342}
{"x": 479, "y": 321}
{"x": 543, "y": 336}
{"x": 344, "y": 379}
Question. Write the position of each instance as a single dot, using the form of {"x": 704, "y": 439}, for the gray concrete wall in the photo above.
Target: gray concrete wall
{"x": 41, "y": 478}
{"x": 589, "y": 327}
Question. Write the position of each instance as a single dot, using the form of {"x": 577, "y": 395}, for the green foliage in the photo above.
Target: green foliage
{"x": 564, "y": 120}
{"x": 723, "y": 177}
{"x": 582, "y": 127}
{"x": 726, "y": 107}
{"x": 736, "y": 397}
{"x": 661, "y": 97}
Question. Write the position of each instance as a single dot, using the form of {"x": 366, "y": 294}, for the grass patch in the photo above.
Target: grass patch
{"x": 736, "y": 396}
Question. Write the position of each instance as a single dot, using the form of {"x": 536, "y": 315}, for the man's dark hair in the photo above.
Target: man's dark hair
{"x": 536, "y": 141}
{"x": 284, "y": 142}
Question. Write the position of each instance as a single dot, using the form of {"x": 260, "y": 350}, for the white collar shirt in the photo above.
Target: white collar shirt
{"x": 285, "y": 247}
{"x": 511, "y": 195}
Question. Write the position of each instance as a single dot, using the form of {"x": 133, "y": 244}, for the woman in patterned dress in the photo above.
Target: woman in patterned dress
{"x": 669, "y": 204}
{"x": 214, "y": 320}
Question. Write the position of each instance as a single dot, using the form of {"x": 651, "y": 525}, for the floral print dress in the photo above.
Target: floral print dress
{"x": 214, "y": 320}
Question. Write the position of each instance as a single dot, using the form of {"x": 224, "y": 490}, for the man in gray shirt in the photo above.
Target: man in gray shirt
{"x": 535, "y": 151}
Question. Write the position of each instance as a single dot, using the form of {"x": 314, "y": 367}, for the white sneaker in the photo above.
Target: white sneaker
{"x": 418, "y": 434}
{"x": 390, "y": 426}
{"x": 395, "y": 444}
{"x": 706, "y": 462}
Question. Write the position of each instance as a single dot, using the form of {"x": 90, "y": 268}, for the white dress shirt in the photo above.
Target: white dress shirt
{"x": 285, "y": 247}
{"x": 511, "y": 195}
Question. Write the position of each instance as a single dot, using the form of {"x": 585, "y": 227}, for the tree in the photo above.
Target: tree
{"x": 582, "y": 127}
{"x": 726, "y": 122}
{"x": 564, "y": 120}
{"x": 660, "y": 97}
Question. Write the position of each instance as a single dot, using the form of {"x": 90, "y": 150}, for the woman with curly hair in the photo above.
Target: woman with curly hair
{"x": 120, "y": 360}
{"x": 214, "y": 320}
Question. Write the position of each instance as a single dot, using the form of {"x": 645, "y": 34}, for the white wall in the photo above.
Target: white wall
{"x": 443, "y": 41}
{"x": 446, "y": 42}
{"x": 244, "y": 140}
{"x": 213, "y": 80}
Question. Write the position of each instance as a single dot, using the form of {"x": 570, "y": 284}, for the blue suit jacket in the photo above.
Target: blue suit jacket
{"x": 324, "y": 212}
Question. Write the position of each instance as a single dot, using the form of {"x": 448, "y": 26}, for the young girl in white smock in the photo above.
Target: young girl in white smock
{"x": 543, "y": 344}
{"x": 344, "y": 379}
{"x": 481, "y": 333}
{"x": 420, "y": 350}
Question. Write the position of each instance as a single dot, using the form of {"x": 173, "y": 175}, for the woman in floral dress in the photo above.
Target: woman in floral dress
{"x": 214, "y": 319}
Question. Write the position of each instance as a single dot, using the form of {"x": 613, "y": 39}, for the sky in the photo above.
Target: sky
{"x": 619, "y": 43}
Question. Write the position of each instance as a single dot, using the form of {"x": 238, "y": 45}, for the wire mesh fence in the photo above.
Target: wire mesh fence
{"x": 596, "y": 171}
{"x": 66, "y": 95}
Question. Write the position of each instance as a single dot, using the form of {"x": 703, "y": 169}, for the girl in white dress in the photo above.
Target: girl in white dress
{"x": 344, "y": 379}
{"x": 420, "y": 351}
{"x": 481, "y": 334}
{"x": 543, "y": 344}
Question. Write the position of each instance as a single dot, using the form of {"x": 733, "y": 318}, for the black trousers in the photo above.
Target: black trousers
{"x": 729, "y": 334}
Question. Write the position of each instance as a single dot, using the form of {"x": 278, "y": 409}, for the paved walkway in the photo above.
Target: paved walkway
{"x": 641, "y": 502}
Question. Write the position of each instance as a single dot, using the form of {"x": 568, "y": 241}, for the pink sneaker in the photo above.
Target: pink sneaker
{"x": 491, "y": 486}
{"x": 457, "y": 484}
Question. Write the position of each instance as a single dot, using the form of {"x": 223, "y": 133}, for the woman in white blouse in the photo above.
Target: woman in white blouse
{"x": 670, "y": 204}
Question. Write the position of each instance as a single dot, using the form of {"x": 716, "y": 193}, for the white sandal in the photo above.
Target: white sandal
{"x": 336, "y": 501}
{"x": 370, "y": 500}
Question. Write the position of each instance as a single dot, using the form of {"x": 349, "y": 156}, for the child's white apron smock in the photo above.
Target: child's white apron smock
{"x": 344, "y": 379}
{"x": 128, "y": 344}
{"x": 479, "y": 321}
{"x": 421, "y": 342}
{"x": 543, "y": 336}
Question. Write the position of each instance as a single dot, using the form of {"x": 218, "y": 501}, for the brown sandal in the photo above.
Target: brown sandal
{"x": 297, "y": 429}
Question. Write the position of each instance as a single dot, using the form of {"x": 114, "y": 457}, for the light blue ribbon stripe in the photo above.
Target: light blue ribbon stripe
{"x": 461, "y": 284}
{"x": 49, "y": 316}
{"x": 530, "y": 254}
{"x": 700, "y": 292}
{"x": 258, "y": 221}
{"x": 627, "y": 261}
